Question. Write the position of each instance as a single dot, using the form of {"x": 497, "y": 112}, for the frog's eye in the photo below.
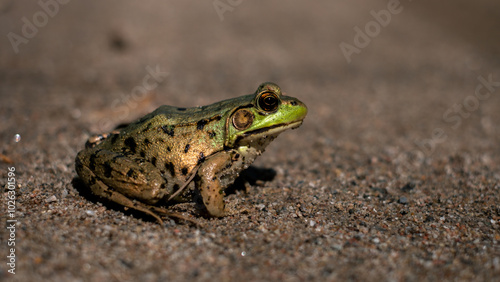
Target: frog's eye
{"x": 242, "y": 119}
{"x": 268, "y": 101}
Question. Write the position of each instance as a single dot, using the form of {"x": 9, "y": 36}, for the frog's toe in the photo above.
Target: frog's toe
{"x": 230, "y": 208}
{"x": 171, "y": 214}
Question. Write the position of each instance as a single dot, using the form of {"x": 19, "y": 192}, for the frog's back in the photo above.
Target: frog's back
{"x": 180, "y": 116}
{"x": 176, "y": 139}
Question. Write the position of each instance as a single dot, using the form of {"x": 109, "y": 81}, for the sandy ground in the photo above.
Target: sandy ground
{"x": 394, "y": 174}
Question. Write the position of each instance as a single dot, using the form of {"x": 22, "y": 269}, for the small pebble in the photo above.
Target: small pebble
{"x": 403, "y": 200}
{"x": 90, "y": 212}
{"x": 64, "y": 193}
{"x": 51, "y": 199}
{"x": 408, "y": 187}
{"x": 261, "y": 206}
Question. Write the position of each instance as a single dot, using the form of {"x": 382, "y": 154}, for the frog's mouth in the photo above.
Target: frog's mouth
{"x": 265, "y": 135}
{"x": 275, "y": 129}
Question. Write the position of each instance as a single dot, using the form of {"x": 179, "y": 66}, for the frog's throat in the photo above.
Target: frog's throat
{"x": 267, "y": 133}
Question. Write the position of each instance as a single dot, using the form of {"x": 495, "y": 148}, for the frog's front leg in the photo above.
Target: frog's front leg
{"x": 214, "y": 175}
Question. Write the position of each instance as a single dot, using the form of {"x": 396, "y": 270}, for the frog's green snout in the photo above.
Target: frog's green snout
{"x": 297, "y": 108}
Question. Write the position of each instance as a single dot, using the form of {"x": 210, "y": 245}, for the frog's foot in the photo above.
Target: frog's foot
{"x": 222, "y": 209}
{"x": 174, "y": 215}
{"x": 149, "y": 210}
{"x": 144, "y": 208}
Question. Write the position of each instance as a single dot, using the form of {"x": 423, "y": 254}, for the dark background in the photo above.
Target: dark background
{"x": 394, "y": 174}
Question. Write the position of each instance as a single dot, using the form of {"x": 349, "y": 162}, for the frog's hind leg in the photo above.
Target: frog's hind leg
{"x": 100, "y": 188}
{"x": 120, "y": 179}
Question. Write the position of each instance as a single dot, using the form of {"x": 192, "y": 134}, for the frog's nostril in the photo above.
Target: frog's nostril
{"x": 294, "y": 103}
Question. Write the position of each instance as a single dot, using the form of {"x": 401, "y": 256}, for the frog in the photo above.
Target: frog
{"x": 176, "y": 154}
